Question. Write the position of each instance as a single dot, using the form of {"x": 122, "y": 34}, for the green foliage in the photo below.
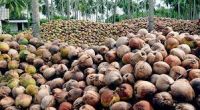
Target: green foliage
{"x": 15, "y": 6}
{"x": 6, "y": 28}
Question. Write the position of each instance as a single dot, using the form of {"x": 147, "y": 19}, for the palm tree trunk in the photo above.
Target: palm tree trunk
{"x": 114, "y": 11}
{"x": 62, "y": 8}
{"x": 179, "y": 10}
{"x": 151, "y": 15}
{"x": 137, "y": 9}
{"x": 194, "y": 9}
{"x": 1, "y": 30}
{"x": 129, "y": 9}
{"x": 52, "y": 9}
{"x": 47, "y": 9}
{"x": 107, "y": 10}
{"x": 102, "y": 9}
{"x": 35, "y": 18}
{"x": 68, "y": 9}
{"x": 76, "y": 9}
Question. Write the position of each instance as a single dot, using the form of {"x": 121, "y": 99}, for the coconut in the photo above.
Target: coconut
{"x": 30, "y": 69}
{"x": 39, "y": 79}
{"x": 71, "y": 84}
{"x": 23, "y": 41}
{"x": 138, "y": 56}
{"x": 13, "y": 64}
{"x": 23, "y": 54}
{"x": 185, "y": 48}
{"x": 3, "y": 64}
{"x": 164, "y": 82}
{"x": 171, "y": 43}
{"x": 6, "y": 102}
{"x": 61, "y": 69}
{"x": 125, "y": 91}
{"x": 178, "y": 52}
{"x": 4, "y": 91}
{"x": 86, "y": 107}
{"x": 128, "y": 68}
{"x": 144, "y": 89}
{"x": 78, "y": 103}
{"x": 172, "y": 60}
{"x": 142, "y": 105}
{"x": 18, "y": 90}
{"x": 154, "y": 56}
{"x": 122, "y": 50}
{"x": 108, "y": 97}
{"x": 126, "y": 59}
{"x": 142, "y": 32}
{"x": 35, "y": 107}
{"x": 178, "y": 72}
{"x": 61, "y": 96}
{"x": 25, "y": 81}
{"x": 194, "y": 73}
{"x": 47, "y": 101}
{"x": 161, "y": 67}
{"x": 136, "y": 43}
{"x": 13, "y": 83}
{"x": 113, "y": 78}
{"x": 30, "y": 58}
{"x": 4, "y": 47}
{"x": 163, "y": 100}
{"x": 49, "y": 72}
{"x": 65, "y": 106}
{"x": 184, "y": 106}
{"x": 182, "y": 90}
{"x": 121, "y": 41}
{"x": 85, "y": 61}
{"x": 23, "y": 100}
{"x": 74, "y": 93}
{"x": 128, "y": 78}
{"x": 91, "y": 98}
{"x": 13, "y": 53}
{"x": 142, "y": 70}
{"x": 121, "y": 106}
{"x": 190, "y": 64}
{"x": 110, "y": 42}
{"x": 195, "y": 83}
{"x": 110, "y": 56}
{"x": 32, "y": 89}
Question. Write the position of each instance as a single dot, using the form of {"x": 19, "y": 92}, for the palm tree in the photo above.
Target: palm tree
{"x": 68, "y": 9}
{"x": 35, "y": 18}
{"x": 15, "y": 7}
{"x": 151, "y": 15}
{"x": 129, "y": 9}
{"x": 47, "y": 9}
{"x": 102, "y": 9}
{"x": 114, "y": 10}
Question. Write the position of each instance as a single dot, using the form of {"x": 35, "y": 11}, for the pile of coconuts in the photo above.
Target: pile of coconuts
{"x": 143, "y": 71}
{"x": 77, "y": 32}
{"x": 182, "y": 26}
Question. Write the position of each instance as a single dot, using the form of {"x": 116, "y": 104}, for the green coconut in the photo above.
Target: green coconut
{"x": 30, "y": 69}
{"x": 13, "y": 83}
{"x": 23, "y": 54}
{"x": 25, "y": 81}
{"x": 22, "y": 47}
{"x": 32, "y": 89}
{"x": 23, "y": 41}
